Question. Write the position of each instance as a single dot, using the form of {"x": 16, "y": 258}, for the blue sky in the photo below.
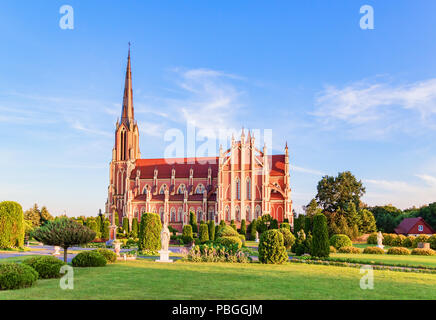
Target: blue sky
{"x": 344, "y": 98}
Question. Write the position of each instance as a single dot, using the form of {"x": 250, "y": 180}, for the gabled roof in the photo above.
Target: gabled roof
{"x": 408, "y": 223}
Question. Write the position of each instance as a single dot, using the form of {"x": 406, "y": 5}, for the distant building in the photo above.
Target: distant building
{"x": 243, "y": 182}
{"x": 414, "y": 227}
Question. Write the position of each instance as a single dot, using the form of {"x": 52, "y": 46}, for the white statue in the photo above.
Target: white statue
{"x": 165, "y": 240}
{"x": 380, "y": 240}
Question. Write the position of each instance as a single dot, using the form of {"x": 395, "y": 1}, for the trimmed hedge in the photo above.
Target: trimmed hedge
{"x": 349, "y": 249}
{"x": 372, "y": 239}
{"x": 11, "y": 225}
{"x": 227, "y": 231}
{"x": 110, "y": 255}
{"x": 271, "y": 247}
{"x": 432, "y": 241}
{"x": 187, "y": 236}
{"x": 320, "y": 241}
{"x": 423, "y": 252}
{"x": 211, "y": 225}
{"x": 288, "y": 237}
{"x": 149, "y": 232}
{"x": 373, "y": 250}
{"x": 89, "y": 259}
{"x": 398, "y": 251}
{"x": 204, "y": 233}
{"x": 242, "y": 237}
{"x": 47, "y": 266}
{"x": 408, "y": 242}
{"x": 16, "y": 276}
{"x": 340, "y": 240}
{"x": 420, "y": 238}
{"x": 229, "y": 241}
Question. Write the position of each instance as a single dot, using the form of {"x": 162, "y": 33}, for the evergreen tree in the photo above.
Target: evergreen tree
{"x": 149, "y": 232}
{"x": 105, "y": 230}
{"x": 126, "y": 225}
{"x": 253, "y": 229}
{"x": 211, "y": 226}
{"x": 320, "y": 242}
{"x": 135, "y": 228}
{"x": 203, "y": 233}
{"x": 193, "y": 222}
{"x": 243, "y": 227}
{"x": 233, "y": 225}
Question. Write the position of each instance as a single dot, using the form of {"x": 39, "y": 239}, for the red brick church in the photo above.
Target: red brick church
{"x": 243, "y": 182}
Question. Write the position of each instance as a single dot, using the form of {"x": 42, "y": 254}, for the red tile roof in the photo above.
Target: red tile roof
{"x": 278, "y": 165}
{"x": 408, "y": 223}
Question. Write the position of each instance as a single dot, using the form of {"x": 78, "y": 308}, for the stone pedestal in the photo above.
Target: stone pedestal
{"x": 164, "y": 256}
{"x": 380, "y": 246}
{"x": 423, "y": 245}
{"x": 117, "y": 247}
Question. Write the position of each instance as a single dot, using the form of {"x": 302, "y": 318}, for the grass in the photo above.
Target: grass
{"x": 410, "y": 260}
{"x": 143, "y": 279}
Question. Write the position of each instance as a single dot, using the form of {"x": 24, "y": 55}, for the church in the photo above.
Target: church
{"x": 243, "y": 182}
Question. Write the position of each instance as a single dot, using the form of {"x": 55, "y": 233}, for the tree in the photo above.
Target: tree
{"x": 12, "y": 226}
{"x": 264, "y": 223}
{"x": 335, "y": 193}
{"x": 45, "y": 215}
{"x": 367, "y": 222}
{"x": 271, "y": 247}
{"x": 253, "y": 229}
{"x": 320, "y": 240}
{"x": 387, "y": 217}
{"x": 233, "y": 225}
{"x": 243, "y": 227}
{"x": 193, "y": 221}
{"x": 187, "y": 234}
{"x": 312, "y": 208}
{"x": 211, "y": 226}
{"x": 105, "y": 230}
{"x": 135, "y": 228}
{"x": 204, "y": 233}
{"x": 149, "y": 232}
{"x": 65, "y": 233}
{"x": 126, "y": 224}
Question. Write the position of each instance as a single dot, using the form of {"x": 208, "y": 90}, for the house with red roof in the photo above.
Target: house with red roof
{"x": 243, "y": 182}
{"x": 414, "y": 227}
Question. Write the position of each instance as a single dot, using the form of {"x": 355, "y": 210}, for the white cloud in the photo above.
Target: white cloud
{"x": 306, "y": 170}
{"x": 399, "y": 193}
{"x": 380, "y": 107}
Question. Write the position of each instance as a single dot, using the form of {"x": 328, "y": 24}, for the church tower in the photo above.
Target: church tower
{"x": 124, "y": 153}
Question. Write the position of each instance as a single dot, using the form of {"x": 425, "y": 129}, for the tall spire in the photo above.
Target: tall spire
{"x": 127, "y": 113}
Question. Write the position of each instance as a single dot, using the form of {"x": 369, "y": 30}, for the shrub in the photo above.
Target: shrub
{"x": 63, "y": 232}
{"x": 126, "y": 224}
{"x": 108, "y": 254}
{"x": 253, "y": 229}
{"x": 227, "y": 231}
{"x": 340, "y": 240}
{"x": 211, "y": 225}
{"x": 135, "y": 227}
{"x": 423, "y": 252}
{"x": 349, "y": 249}
{"x": 105, "y": 229}
{"x": 271, "y": 247}
{"x": 229, "y": 241}
{"x": 372, "y": 239}
{"x": 46, "y": 266}
{"x": 89, "y": 259}
{"x": 16, "y": 276}
{"x": 388, "y": 238}
{"x": 288, "y": 237}
{"x": 432, "y": 241}
{"x": 233, "y": 225}
{"x": 420, "y": 238}
{"x": 11, "y": 225}
{"x": 204, "y": 233}
{"x": 398, "y": 251}
{"x": 320, "y": 241}
{"x": 408, "y": 242}
{"x": 285, "y": 225}
{"x": 243, "y": 227}
{"x": 242, "y": 237}
{"x": 332, "y": 249}
{"x": 302, "y": 244}
{"x": 398, "y": 241}
{"x": 193, "y": 221}
{"x": 187, "y": 234}
{"x": 373, "y": 250}
{"x": 149, "y": 232}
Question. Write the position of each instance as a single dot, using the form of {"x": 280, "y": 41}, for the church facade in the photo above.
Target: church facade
{"x": 243, "y": 182}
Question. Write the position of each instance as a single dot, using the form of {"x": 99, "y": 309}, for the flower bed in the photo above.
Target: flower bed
{"x": 217, "y": 253}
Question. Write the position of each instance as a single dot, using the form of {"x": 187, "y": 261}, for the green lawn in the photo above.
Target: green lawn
{"x": 412, "y": 261}
{"x": 144, "y": 279}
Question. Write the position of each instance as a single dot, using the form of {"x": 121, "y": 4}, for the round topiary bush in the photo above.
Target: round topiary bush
{"x": 389, "y": 238}
{"x": 16, "y": 276}
{"x": 89, "y": 259}
{"x": 271, "y": 247}
{"x": 110, "y": 255}
{"x": 47, "y": 266}
{"x": 398, "y": 241}
{"x": 398, "y": 251}
{"x": 372, "y": 239}
{"x": 11, "y": 225}
{"x": 408, "y": 242}
{"x": 340, "y": 240}
{"x": 227, "y": 231}
{"x": 149, "y": 232}
{"x": 349, "y": 249}
{"x": 230, "y": 241}
{"x": 423, "y": 252}
{"x": 288, "y": 237}
{"x": 373, "y": 250}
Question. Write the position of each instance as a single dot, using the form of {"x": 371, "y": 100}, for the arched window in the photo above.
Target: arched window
{"x": 162, "y": 189}
{"x": 248, "y": 213}
{"x": 154, "y": 210}
{"x": 249, "y": 188}
{"x": 181, "y": 189}
{"x": 238, "y": 213}
{"x": 173, "y": 215}
{"x": 161, "y": 213}
{"x": 257, "y": 212}
{"x": 238, "y": 189}
{"x": 211, "y": 213}
{"x": 199, "y": 189}
{"x": 228, "y": 217}
{"x": 180, "y": 214}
